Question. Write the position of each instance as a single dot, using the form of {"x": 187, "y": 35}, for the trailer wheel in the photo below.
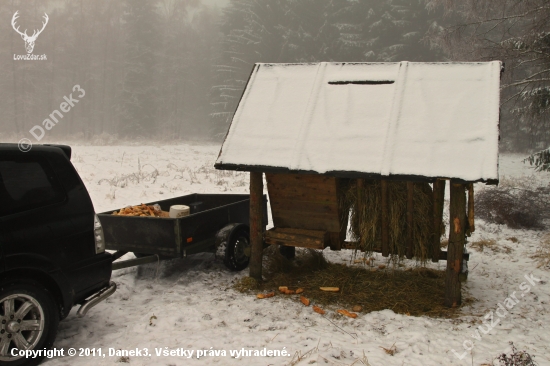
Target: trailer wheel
{"x": 237, "y": 251}
{"x": 29, "y": 322}
{"x": 287, "y": 252}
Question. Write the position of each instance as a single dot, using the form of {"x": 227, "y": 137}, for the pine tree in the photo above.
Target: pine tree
{"x": 313, "y": 31}
{"x": 517, "y": 33}
{"x": 139, "y": 95}
{"x": 391, "y": 30}
{"x": 254, "y": 31}
{"x": 269, "y": 31}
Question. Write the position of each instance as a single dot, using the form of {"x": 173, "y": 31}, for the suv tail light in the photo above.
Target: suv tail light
{"x": 98, "y": 236}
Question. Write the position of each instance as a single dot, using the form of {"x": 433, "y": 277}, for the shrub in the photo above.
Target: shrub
{"x": 516, "y": 358}
{"x": 518, "y": 203}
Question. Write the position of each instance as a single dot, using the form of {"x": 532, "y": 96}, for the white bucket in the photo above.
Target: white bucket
{"x": 179, "y": 211}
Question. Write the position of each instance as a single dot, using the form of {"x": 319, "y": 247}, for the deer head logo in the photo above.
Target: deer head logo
{"x": 29, "y": 41}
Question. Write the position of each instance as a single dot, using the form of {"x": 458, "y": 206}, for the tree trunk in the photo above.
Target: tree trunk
{"x": 455, "y": 250}
{"x": 256, "y": 224}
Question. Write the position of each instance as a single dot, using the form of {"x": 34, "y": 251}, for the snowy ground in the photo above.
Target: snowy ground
{"x": 189, "y": 304}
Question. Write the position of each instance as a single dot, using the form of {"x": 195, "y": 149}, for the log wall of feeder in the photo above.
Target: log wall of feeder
{"x": 455, "y": 249}
{"x": 410, "y": 218}
{"x": 304, "y": 201}
{"x": 471, "y": 221}
{"x": 256, "y": 224}
{"x": 307, "y": 202}
{"x": 439, "y": 197}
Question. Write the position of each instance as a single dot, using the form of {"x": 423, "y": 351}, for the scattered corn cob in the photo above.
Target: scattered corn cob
{"x": 318, "y": 310}
{"x": 329, "y": 289}
{"x": 347, "y": 313}
{"x": 304, "y": 300}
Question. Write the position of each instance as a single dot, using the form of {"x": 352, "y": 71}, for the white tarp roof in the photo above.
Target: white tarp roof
{"x": 405, "y": 118}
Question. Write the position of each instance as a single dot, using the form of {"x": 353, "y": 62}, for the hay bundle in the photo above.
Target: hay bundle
{"x": 366, "y": 209}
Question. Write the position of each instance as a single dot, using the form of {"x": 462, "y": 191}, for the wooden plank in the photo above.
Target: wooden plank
{"x": 327, "y": 208}
{"x": 429, "y": 244}
{"x": 314, "y": 239}
{"x": 455, "y": 250}
{"x": 289, "y": 218}
{"x": 410, "y": 213}
{"x": 311, "y": 180}
{"x": 305, "y": 201}
{"x": 256, "y": 224}
{"x": 336, "y": 239}
{"x": 343, "y": 209}
{"x": 385, "y": 221}
{"x": 301, "y": 193}
{"x": 439, "y": 201}
{"x": 302, "y": 185}
{"x": 471, "y": 222}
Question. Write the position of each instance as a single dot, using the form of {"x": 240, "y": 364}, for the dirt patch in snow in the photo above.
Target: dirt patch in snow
{"x": 416, "y": 292}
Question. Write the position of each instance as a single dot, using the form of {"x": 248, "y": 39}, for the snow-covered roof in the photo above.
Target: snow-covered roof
{"x": 369, "y": 119}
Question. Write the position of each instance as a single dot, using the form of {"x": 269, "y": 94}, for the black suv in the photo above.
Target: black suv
{"x": 52, "y": 253}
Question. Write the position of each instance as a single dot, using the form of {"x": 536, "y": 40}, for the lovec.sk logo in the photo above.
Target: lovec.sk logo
{"x": 29, "y": 40}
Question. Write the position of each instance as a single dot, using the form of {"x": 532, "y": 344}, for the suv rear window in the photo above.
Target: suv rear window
{"x": 27, "y": 184}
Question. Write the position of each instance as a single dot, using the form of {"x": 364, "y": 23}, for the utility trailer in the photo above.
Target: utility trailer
{"x": 216, "y": 222}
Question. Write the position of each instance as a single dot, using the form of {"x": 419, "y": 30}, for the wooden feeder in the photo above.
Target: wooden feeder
{"x": 313, "y": 127}
{"x": 305, "y": 211}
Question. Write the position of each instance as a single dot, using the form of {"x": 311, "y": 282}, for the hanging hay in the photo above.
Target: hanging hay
{"x": 366, "y": 207}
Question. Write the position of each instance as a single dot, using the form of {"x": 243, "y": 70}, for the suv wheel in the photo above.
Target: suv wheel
{"x": 28, "y": 320}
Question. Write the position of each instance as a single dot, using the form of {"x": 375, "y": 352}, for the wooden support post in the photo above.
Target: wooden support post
{"x": 256, "y": 224}
{"x": 410, "y": 223}
{"x": 385, "y": 222}
{"x": 457, "y": 224}
{"x": 439, "y": 201}
{"x": 471, "y": 222}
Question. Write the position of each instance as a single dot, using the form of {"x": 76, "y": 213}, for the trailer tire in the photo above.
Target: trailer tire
{"x": 31, "y": 305}
{"x": 237, "y": 250}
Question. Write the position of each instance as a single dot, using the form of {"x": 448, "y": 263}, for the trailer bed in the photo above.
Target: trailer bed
{"x": 177, "y": 237}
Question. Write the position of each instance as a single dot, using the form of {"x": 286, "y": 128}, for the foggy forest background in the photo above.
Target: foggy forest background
{"x": 175, "y": 69}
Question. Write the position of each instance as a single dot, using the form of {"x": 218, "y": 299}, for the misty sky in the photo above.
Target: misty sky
{"x": 220, "y": 3}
